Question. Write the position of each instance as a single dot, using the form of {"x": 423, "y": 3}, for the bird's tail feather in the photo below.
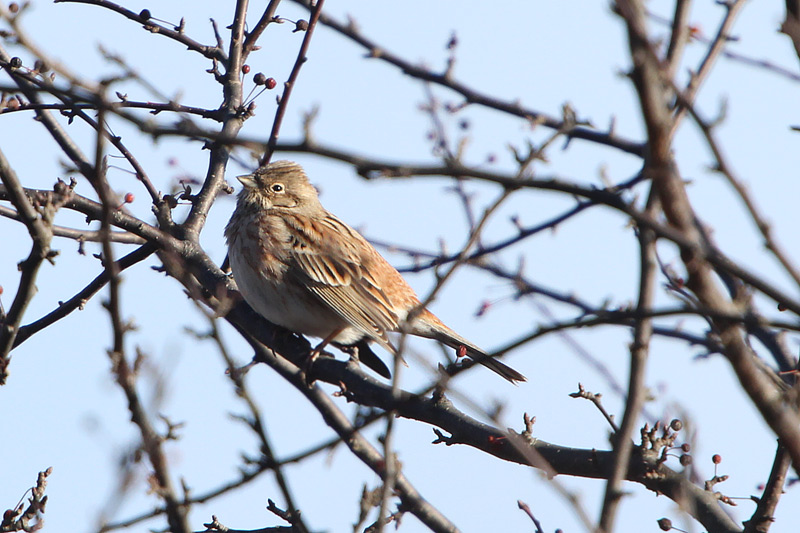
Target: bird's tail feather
{"x": 452, "y": 339}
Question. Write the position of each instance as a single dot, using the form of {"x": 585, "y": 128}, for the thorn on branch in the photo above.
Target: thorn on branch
{"x": 215, "y": 525}
{"x": 529, "y": 421}
{"x": 172, "y": 428}
{"x": 595, "y": 399}
{"x": 343, "y": 392}
{"x": 288, "y": 516}
{"x": 527, "y": 510}
{"x": 441, "y": 438}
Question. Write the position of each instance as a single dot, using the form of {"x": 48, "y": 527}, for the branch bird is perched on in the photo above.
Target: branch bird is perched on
{"x": 302, "y": 268}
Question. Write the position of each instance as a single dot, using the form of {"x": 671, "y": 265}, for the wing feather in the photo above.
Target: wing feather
{"x": 338, "y": 272}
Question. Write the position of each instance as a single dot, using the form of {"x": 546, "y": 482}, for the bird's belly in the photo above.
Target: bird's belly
{"x": 284, "y": 303}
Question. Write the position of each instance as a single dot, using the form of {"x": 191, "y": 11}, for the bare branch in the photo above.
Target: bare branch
{"x": 82, "y": 297}
{"x": 764, "y": 515}
{"x": 289, "y": 85}
{"x": 637, "y": 390}
{"x": 472, "y": 96}
{"x": 39, "y": 225}
{"x": 144, "y": 17}
{"x": 648, "y": 81}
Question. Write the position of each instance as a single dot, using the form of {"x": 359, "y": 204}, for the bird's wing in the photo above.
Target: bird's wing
{"x": 330, "y": 257}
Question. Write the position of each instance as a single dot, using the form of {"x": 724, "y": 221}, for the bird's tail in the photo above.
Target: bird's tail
{"x": 438, "y": 331}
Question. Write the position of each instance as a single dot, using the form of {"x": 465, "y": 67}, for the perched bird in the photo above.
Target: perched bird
{"x": 302, "y": 268}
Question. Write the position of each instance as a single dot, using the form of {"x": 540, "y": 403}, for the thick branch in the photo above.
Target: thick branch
{"x": 779, "y": 411}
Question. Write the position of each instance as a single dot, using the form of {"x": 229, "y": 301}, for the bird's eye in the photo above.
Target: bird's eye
{"x": 277, "y": 187}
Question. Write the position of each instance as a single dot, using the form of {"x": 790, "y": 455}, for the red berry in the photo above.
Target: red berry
{"x": 129, "y": 198}
{"x": 271, "y": 83}
{"x": 245, "y": 69}
{"x": 716, "y": 459}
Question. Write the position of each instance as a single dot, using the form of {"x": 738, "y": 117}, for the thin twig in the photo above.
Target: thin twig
{"x": 472, "y": 96}
{"x": 78, "y": 234}
{"x": 637, "y": 391}
{"x": 717, "y": 46}
{"x": 211, "y": 52}
{"x": 290, "y": 83}
{"x": 266, "y": 18}
{"x": 680, "y": 35}
{"x": 233, "y": 122}
{"x": 83, "y": 296}
{"x": 764, "y": 515}
{"x": 39, "y": 229}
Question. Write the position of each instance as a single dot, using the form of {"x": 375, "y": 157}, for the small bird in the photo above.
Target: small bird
{"x": 302, "y": 268}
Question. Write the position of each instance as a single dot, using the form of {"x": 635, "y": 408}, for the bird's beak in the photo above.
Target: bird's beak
{"x": 247, "y": 181}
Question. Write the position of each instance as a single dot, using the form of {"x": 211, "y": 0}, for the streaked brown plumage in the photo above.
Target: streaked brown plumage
{"x": 302, "y": 268}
